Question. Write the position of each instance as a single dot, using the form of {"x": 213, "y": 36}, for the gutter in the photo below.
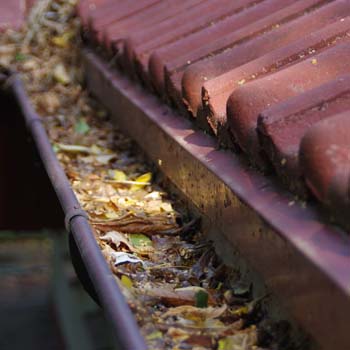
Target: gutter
{"x": 86, "y": 255}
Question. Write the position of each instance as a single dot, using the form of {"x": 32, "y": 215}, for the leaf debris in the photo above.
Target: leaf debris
{"x": 177, "y": 286}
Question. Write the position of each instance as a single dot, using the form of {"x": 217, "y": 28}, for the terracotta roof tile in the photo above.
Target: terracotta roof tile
{"x": 203, "y": 72}
{"x": 247, "y": 10}
{"x": 216, "y": 91}
{"x": 282, "y": 126}
{"x": 140, "y": 46}
{"x": 325, "y": 163}
{"x": 154, "y": 14}
{"x": 260, "y": 74}
{"x": 248, "y": 101}
{"x": 230, "y": 39}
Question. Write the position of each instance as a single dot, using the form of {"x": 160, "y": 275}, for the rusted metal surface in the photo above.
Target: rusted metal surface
{"x": 302, "y": 260}
{"x": 116, "y": 309}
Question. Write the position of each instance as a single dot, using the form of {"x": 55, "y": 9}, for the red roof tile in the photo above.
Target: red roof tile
{"x": 140, "y": 46}
{"x": 273, "y": 14}
{"x": 229, "y": 62}
{"x": 248, "y": 101}
{"x": 222, "y": 65}
{"x": 282, "y": 126}
{"x": 325, "y": 163}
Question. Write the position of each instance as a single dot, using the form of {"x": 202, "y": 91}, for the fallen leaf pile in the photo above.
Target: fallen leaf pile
{"x": 182, "y": 295}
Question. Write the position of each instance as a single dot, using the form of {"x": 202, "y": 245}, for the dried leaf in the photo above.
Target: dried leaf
{"x": 49, "y": 102}
{"x": 82, "y": 137}
{"x": 148, "y": 226}
{"x": 61, "y": 75}
{"x": 95, "y": 150}
{"x": 30, "y": 64}
{"x": 74, "y": 148}
{"x": 239, "y": 341}
{"x": 104, "y": 159}
{"x": 120, "y": 258}
{"x": 178, "y": 334}
{"x": 154, "y": 335}
{"x": 62, "y": 40}
{"x": 142, "y": 247}
{"x": 117, "y": 175}
{"x": 244, "y": 310}
{"x": 154, "y": 195}
{"x": 141, "y": 181}
{"x": 126, "y": 281}
{"x": 118, "y": 239}
{"x": 195, "y": 313}
{"x": 128, "y": 182}
{"x": 171, "y": 296}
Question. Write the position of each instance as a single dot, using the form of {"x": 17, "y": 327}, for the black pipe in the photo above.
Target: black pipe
{"x": 123, "y": 323}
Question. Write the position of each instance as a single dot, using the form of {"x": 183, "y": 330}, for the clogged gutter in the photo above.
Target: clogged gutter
{"x": 182, "y": 296}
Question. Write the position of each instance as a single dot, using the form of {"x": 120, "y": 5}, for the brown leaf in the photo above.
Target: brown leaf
{"x": 118, "y": 239}
{"x": 196, "y": 313}
{"x": 171, "y": 296}
{"x": 148, "y": 226}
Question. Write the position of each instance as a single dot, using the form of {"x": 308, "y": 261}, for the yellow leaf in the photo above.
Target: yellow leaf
{"x": 117, "y": 175}
{"x": 154, "y": 335}
{"x": 241, "y": 311}
{"x": 127, "y": 282}
{"x": 144, "y": 178}
{"x": 123, "y": 202}
{"x": 78, "y": 149}
{"x": 62, "y": 40}
{"x": 111, "y": 215}
{"x": 72, "y": 148}
{"x": 96, "y": 150}
{"x": 241, "y": 341}
{"x": 141, "y": 181}
{"x": 167, "y": 207}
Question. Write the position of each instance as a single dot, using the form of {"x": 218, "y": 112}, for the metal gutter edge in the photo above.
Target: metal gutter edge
{"x": 123, "y": 323}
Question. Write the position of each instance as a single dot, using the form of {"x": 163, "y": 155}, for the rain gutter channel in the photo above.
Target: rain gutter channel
{"x": 123, "y": 323}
